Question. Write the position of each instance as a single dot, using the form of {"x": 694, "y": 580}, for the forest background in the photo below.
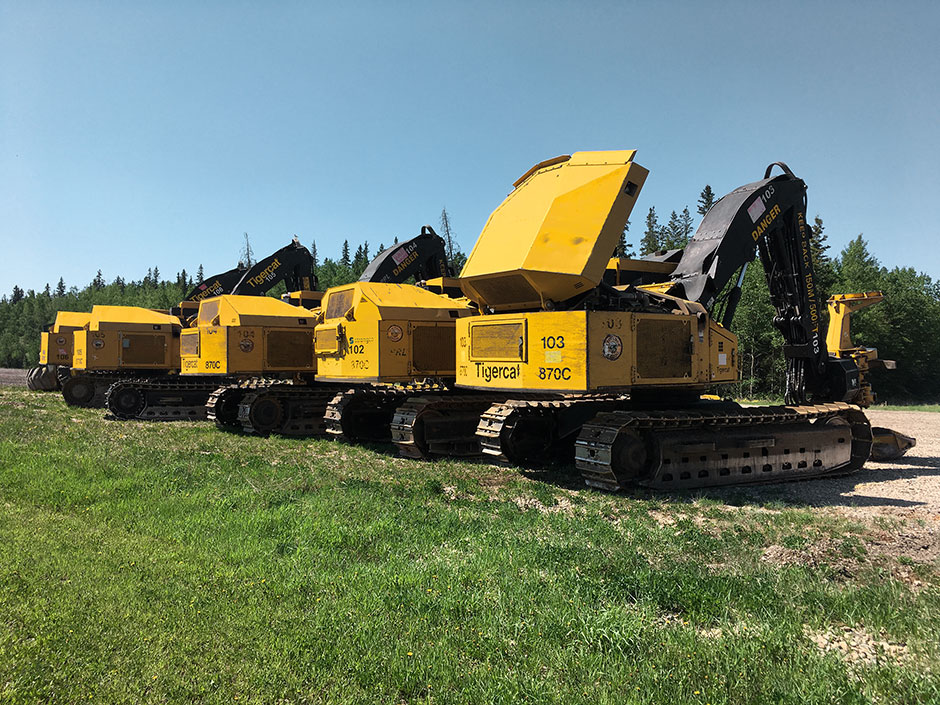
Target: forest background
{"x": 905, "y": 327}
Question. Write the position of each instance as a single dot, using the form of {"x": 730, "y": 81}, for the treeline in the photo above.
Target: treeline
{"x": 904, "y": 327}
{"x": 24, "y": 314}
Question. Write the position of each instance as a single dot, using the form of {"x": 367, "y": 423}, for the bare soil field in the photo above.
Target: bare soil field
{"x": 12, "y": 378}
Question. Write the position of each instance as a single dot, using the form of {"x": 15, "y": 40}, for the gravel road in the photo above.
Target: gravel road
{"x": 906, "y": 488}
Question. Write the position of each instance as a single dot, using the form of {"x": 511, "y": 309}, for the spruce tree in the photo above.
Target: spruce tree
{"x": 685, "y": 226}
{"x": 673, "y": 233}
{"x": 60, "y": 287}
{"x": 17, "y": 295}
{"x": 98, "y": 282}
{"x": 313, "y": 253}
{"x": 344, "y": 258}
{"x": 156, "y": 276}
{"x": 47, "y": 291}
{"x": 624, "y": 248}
{"x": 447, "y": 234}
{"x": 199, "y": 275}
{"x": 706, "y": 200}
{"x": 651, "y": 241}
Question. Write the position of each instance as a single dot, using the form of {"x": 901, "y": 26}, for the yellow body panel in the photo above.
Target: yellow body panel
{"x": 249, "y": 335}
{"x": 565, "y": 351}
{"x": 57, "y": 345}
{"x": 127, "y": 337}
{"x": 552, "y": 236}
{"x": 386, "y": 333}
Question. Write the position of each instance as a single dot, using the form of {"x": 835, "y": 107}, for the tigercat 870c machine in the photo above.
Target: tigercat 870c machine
{"x": 168, "y": 395}
{"x": 268, "y": 349}
{"x": 621, "y": 369}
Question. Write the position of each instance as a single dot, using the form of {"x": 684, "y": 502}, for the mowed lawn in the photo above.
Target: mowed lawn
{"x": 175, "y": 563}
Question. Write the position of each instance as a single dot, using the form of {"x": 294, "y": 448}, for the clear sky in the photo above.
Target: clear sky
{"x": 138, "y": 134}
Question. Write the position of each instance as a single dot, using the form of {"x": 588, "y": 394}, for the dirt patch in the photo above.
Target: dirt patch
{"x": 857, "y": 647}
{"x": 896, "y": 551}
{"x": 12, "y": 378}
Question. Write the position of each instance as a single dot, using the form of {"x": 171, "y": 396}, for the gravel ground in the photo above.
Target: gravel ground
{"x": 12, "y": 378}
{"x": 907, "y": 488}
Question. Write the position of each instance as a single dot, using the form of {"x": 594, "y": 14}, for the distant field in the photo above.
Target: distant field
{"x": 172, "y": 562}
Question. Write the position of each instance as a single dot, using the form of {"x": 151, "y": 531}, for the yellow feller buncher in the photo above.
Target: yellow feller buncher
{"x": 632, "y": 362}
{"x": 152, "y": 386}
{"x": 267, "y": 349}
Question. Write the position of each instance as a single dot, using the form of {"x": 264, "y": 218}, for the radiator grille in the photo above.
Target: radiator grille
{"x": 289, "y": 348}
{"x": 498, "y": 341}
{"x": 434, "y": 349}
{"x": 664, "y": 348}
{"x": 143, "y": 349}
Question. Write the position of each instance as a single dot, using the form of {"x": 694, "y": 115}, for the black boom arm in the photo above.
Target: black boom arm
{"x": 422, "y": 257}
{"x": 770, "y": 216}
{"x": 292, "y": 264}
{"x": 215, "y": 285}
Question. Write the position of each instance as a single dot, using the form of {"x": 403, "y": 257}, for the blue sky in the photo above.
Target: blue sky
{"x": 136, "y": 134}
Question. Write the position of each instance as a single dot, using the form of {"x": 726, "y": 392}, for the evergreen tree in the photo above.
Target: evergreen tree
{"x": 247, "y": 257}
{"x": 47, "y": 291}
{"x": 672, "y": 235}
{"x": 17, "y": 295}
{"x": 357, "y": 259}
{"x": 624, "y": 248}
{"x": 344, "y": 258}
{"x": 706, "y": 200}
{"x": 365, "y": 252}
{"x": 396, "y": 240}
{"x": 60, "y": 287}
{"x": 148, "y": 280}
{"x": 156, "y": 276}
{"x": 199, "y": 275}
{"x": 381, "y": 247}
{"x": 313, "y": 253}
{"x": 184, "y": 280}
{"x": 447, "y": 235}
{"x": 98, "y": 282}
{"x": 822, "y": 263}
{"x": 685, "y": 226}
{"x": 651, "y": 241}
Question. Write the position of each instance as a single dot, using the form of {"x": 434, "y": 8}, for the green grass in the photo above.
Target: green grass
{"x": 175, "y": 563}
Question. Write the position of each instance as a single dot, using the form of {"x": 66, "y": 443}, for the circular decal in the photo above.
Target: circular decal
{"x": 60, "y": 340}
{"x": 246, "y": 345}
{"x": 613, "y": 346}
{"x": 98, "y": 344}
{"x": 395, "y": 333}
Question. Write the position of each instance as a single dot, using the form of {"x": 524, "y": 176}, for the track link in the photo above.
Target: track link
{"x": 669, "y": 450}
{"x": 88, "y": 389}
{"x": 165, "y": 398}
{"x": 364, "y": 415}
{"x": 527, "y": 431}
{"x": 437, "y": 425}
{"x": 286, "y": 409}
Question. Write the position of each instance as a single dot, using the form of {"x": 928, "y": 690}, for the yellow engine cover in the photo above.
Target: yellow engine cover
{"x": 552, "y": 236}
{"x": 249, "y": 335}
{"x": 387, "y": 333}
{"x": 127, "y": 338}
{"x": 593, "y": 351}
{"x": 57, "y": 345}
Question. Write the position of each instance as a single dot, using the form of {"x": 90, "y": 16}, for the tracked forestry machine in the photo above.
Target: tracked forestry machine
{"x": 56, "y": 346}
{"x": 281, "y": 376}
{"x": 165, "y": 394}
{"x": 619, "y": 371}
